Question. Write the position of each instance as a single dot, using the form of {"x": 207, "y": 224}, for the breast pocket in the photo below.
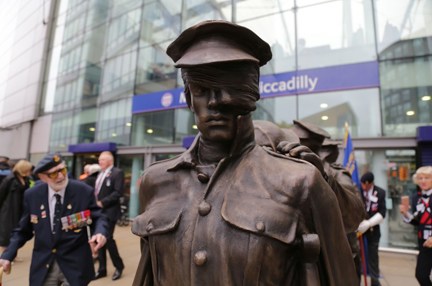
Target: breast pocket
{"x": 262, "y": 216}
{"x": 156, "y": 220}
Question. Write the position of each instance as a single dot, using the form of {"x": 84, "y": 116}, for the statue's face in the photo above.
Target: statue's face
{"x": 214, "y": 114}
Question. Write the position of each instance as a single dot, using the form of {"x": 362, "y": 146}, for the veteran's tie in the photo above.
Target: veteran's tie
{"x": 57, "y": 216}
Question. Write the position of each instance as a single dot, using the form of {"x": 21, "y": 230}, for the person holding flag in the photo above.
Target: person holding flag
{"x": 375, "y": 207}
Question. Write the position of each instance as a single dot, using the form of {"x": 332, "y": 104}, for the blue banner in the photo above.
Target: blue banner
{"x": 343, "y": 77}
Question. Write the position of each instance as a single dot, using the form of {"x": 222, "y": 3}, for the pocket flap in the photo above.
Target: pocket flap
{"x": 156, "y": 220}
{"x": 262, "y": 216}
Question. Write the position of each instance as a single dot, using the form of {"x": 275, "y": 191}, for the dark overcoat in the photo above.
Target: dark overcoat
{"x": 111, "y": 191}
{"x": 11, "y": 205}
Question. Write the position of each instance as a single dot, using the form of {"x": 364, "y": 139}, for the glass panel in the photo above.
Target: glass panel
{"x": 248, "y": 9}
{"x": 344, "y": 34}
{"x": 281, "y": 40}
{"x": 406, "y": 93}
{"x": 159, "y": 157}
{"x": 119, "y": 75}
{"x": 280, "y": 110}
{"x": 402, "y": 19}
{"x": 86, "y": 124}
{"x": 360, "y": 108}
{"x": 184, "y": 124}
{"x": 97, "y": 13}
{"x": 199, "y": 10}
{"x": 160, "y": 22}
{"x": 113, "y": 124}
{"x": 121, "y": 6}
{"x": 156, "y": 70}
{"x": 153, "y": 128}
{"x": 393, "y": 170}
{"x": 132, "y": 166}
{"x": 63, "y": 131}
{"x": 123, "y": 33}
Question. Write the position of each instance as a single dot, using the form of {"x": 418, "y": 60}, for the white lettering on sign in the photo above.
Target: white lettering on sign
{"x": 182, "y": 97}
{"x": 296, "y": 82}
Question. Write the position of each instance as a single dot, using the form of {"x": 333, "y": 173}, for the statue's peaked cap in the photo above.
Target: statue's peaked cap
{"x": 216, "y": 41}
{"x": 313, "y": 129}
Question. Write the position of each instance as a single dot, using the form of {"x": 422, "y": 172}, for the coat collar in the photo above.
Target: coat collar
{"x": 243, "y": 141}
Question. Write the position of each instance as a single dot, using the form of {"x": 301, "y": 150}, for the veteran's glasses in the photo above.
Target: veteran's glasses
{"x": 54, "y": 175}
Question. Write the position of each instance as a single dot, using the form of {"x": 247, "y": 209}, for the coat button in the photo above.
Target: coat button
{"x": 200, "y": 258}
{"x": 149, "y": 227}
{"x": 203, "y": 178}
{"x": 204, "y": 208}
{"x": 54, "y": 250}
{"x": 47, "y": 265}
{"x": 260, "y": 226}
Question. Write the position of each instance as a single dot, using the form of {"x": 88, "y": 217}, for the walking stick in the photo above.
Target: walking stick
{"x": 363, "y": 260}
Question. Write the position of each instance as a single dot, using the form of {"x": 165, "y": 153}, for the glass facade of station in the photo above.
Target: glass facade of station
{"x": 104, "y": 53}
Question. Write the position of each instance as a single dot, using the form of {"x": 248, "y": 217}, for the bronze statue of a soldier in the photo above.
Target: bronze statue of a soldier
{"x": 227, "y": 211}
{"x": 350, "y": 203}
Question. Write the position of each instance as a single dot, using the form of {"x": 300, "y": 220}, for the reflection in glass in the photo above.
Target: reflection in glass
{"x": 132, "y": 166}
{"x": 113, "y": 122}
{"x": 405, "y": 76}
{"x": 343, "y": 35}
{"x": 359, "y": 108}
{"x": 402, "y": 19}
{"x": 155, "y": 70}
{"x": 281, "y": 40}
{"x": 280, "y": 110}
{"x": 248, "y": 9}
{"x": 199, "y": 10}
{"x": 160, "y": 123}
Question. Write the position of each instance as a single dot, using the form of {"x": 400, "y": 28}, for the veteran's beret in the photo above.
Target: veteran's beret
{"x": 49, "y": 161}
{"x": 214, "y": 41}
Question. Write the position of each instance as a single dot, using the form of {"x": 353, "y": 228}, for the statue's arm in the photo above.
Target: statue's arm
{"x": 336, "y": 258}
{"x": 144, "y": 273}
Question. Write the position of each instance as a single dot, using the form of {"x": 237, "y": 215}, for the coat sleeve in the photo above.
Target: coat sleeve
{"x": 335, "y": 262}
{"x": 21, "y": 234}
{"x": 382, "y": 209}
{"x": 98, "y": 218}
{"x": 144, "y": 273}
{"x": 4, "y": 189}
{"x": 349, "y": 201}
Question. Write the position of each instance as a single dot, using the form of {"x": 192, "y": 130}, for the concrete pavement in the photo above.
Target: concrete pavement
{"x": 397, "y": 268}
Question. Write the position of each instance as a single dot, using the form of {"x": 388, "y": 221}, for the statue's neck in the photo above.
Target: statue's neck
{"x": 212, "y": 152}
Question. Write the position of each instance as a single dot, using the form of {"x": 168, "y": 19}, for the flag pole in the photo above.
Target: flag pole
{"x": 363, "y": 258}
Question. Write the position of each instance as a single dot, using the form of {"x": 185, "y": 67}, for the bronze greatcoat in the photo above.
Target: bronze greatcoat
{"x": 238, "y": 223}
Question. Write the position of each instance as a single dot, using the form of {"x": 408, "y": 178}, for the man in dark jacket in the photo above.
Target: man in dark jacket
{"x": 227, "y": 211}
{"x": 109, "y": 189}
{"x": 375, "y": 204}
{"x": 62, "y": 251}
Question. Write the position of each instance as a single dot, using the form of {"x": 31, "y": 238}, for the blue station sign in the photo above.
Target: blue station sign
{"x": 326, "y": 79}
